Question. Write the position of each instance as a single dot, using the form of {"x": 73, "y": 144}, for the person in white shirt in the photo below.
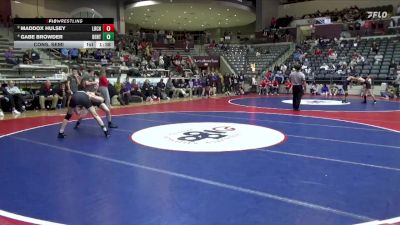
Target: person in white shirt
{"x": 360, "y": 59}
{"x": 283, "y": 68}
{"x": 9, "y": 99}
{"x": 19, "y": 99}
{"x": 12, "y": 89}
{"x": 1, "y": 111}
{"x": 324, "y": 66}
{"x": 397, "y": 84}
{"x": 331, "y": 67}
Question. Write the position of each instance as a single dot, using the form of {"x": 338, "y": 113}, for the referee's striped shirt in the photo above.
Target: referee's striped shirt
{"x": 297, "y": 78}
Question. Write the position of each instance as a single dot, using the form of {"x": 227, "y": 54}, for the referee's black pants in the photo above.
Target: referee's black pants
{"x": 297, "y": 93}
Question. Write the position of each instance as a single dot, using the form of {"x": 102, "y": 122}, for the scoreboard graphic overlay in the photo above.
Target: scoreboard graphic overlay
{"x": 64, "y": 33}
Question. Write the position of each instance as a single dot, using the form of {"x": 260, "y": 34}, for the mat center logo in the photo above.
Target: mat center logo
{"x": 215, "y": 133}
{"x": 318, "y": 102}
{"x": 208, "y": 137}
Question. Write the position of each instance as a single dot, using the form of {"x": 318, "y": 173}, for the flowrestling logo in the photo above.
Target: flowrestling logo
{"x": 208, "y": 137}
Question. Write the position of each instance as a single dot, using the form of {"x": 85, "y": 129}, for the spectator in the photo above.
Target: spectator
{"x": 98, "y": 55}
{"x": 273, "y": 22}
{"x": 331, "y": 67}
{"x": 1, "y": 111}
{"x": 103, "y": 88}
{"x": 9, "y": 55}
{"x": 74, "y": 54}
{"x": 109, "y": 55}
{"x": 331, "y": 54}
{"x": 118, "y": 85}
{"x": 160, "y": 90}
{"x": 389, "y": 92}
{"x": 148, "y": 91}
{"x": 17, "y": 94}
{"x": 89, "y": 83}
{"x": 180, "y": 88}
{"x": 72, "y": 85}
{"x": 263, "y": 87}
{"x": 170, "y": 88}
{"x": 62, "y": 94}
{"x": 185, "y": 87}
{"x": 375, "y": 47}
{"x": 288, "y": 85}
{"x": 26, "y": 57}
{"x": 334, "y": 90}
{"x": 324, "y": 66}
{"x": 279, "y": 77}
{"x": 205, "y": 86}
{"x": 318, "y": 52}
{"x": 35, "y": 57}
{"x": 325, "y": 90}
{"x": 64, "y": 53}
{"x": 125, "y": 93}
{"x": 398, "y": 10}
{"x": 283, "y": 68}
{"x": 47, "y": 93}
{"x": 8, "y": 97}
{"x": 274, "y": 87}
{"x": 113, "y": 93}
{"x": 397, "y": 84}
{"x": 378, "y": 58}
{"x": 135, "y": 90}
{"x": 314, "y": 88}
{"x": 268, "y": 75}
{"x": 197, "y": 87}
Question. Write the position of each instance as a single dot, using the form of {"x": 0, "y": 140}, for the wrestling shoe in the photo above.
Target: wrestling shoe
{"x": 111, "y": 125}
{"x": 77, "y": 124}
{"x": 61, "y": 135}
{"x": 106, "y": 133}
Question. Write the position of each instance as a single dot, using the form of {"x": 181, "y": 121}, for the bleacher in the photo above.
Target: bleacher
{"x": 23, "y": 71}
{"x": 240, "y": 60}
{"x": 268, "y": 55}
{"x": 389, "y": 48}
{"x": 4, "y": 45}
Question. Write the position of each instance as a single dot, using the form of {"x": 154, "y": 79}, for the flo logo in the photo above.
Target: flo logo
{"x": 377, "y": 15}
{"x": 214, "y": 133}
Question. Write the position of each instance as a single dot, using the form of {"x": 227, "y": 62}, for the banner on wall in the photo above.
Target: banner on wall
{"x": 206, "y": 61}
{"x": 310, "y": 21}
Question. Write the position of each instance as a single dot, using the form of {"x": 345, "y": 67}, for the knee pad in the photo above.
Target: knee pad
{"x": 68, "y": 116}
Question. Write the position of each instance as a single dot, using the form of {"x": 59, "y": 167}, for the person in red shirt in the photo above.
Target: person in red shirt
{"x": 330, "y": 52}
{"x": 318, "y": 51}
{"x": 103, "y": 88}
{"x": 263, "y": 87}
{"x": 288, "y": 86}
{"x": 275, "y": 87}
{"x": 268, "y": 74}
{"x": 273, "y": 22}
{"x": 269, "y": 86}
{"x": 178, "y": 56}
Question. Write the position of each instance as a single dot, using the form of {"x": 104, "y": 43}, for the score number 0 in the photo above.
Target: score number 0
{"x": 108, "y": 27}
{"x": 108, "y": 32}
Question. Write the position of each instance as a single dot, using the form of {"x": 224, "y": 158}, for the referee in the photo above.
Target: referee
{"x": 298, "y": 80}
